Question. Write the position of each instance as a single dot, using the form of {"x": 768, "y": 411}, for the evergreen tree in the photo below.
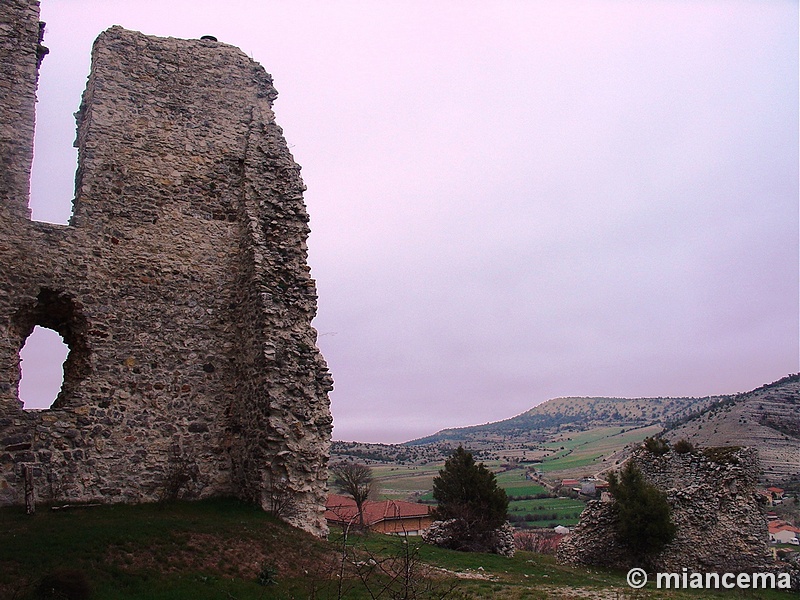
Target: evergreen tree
{"x": 643, "y": 516}
{"x": 468, "y": 492}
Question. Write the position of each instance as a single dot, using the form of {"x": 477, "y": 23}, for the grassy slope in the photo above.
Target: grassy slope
{"x": 215, "y": 549}
{"x": 591, "y": 451}
{"x": 199, "y": 550}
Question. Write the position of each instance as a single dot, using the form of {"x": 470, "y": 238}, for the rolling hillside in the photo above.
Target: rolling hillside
{"x": 570, "y": 437}
{"x": 767, "y": 418}
{"x": 580, "y": 414}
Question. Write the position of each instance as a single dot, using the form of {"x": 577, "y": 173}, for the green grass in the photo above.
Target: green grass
{"x": 200, "y": 550}
{"x": 403, "y": 482}
{"x": 515, "y": 483}
{"x": 535, "y": 576}
{"x": 566, "y": 462}
{"x": 214, "y": 550}
{"x": 547, "y": 504}
{"x": 519, "y": 573}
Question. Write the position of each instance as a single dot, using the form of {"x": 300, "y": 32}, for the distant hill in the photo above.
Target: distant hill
{"x": 579, "y": 414}
{"x": 768, "y": 418}
{"x": 400, "y": 454}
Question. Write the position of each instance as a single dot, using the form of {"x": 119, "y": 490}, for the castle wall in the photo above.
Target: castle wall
{"x": 720, "y": 526}
{"x": 19, "y": 54}
{"x": 181, "y": 287}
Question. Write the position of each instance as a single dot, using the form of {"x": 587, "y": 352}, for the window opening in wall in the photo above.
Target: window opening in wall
{"x": 42, "y": 365}
{"x": 58, "y": 92}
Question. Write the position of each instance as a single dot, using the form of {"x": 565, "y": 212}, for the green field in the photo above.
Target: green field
{"x": 566, "y": 454}
{"x": 397, "y": 482}
{"x": 545, "y": 512}
{"x": 524, "y": 489}
{"x": 548, "y": 504}
{"x": 404, "y": 482}
{"x": 515, "y": 483}
{"x": 590, "y": 450}
{"x": 571, "y": 454}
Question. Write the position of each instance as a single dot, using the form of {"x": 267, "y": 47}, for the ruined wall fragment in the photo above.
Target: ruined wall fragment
{"x": 720, "y": 524}
{"x": 19, "y": 68}
{"x": 182, "y": 288}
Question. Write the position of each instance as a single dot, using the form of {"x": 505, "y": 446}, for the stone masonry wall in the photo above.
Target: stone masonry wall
{"x": 19, "y": 57}
{"x": 181, "y": 287}
{"x": 720, "y": 525}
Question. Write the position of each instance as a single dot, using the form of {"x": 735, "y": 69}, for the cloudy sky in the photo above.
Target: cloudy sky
{"x": 511, "y": 200}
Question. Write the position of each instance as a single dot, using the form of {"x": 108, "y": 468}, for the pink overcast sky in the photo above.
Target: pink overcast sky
{"x": 510, "y": 200}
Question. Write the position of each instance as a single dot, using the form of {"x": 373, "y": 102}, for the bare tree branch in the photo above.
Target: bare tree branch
{"x": 355, "y": 480}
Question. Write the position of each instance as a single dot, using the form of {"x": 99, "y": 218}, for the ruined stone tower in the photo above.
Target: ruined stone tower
{"x": 720, "y": 526}
{"x": 180, "y": 286}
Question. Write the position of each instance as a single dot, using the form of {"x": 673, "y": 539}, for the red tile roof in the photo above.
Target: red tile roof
{"x": 342, "y": 509}
{"x": 776, "y": 526}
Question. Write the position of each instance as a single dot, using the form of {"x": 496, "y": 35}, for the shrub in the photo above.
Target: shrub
{"x": 656, "y": 445}
{"x": 469, "y": 491}
{"x": 683, "y": 446}
{"x": 267, "y": 575}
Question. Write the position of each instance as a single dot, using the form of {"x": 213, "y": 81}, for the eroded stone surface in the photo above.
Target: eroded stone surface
{"x": 720, "y": 525}
{"x": 181, "y": 285}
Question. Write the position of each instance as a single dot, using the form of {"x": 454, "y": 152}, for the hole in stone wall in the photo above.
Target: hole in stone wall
{"x": 60, "y": 313}
{"x": 42, "y": 365}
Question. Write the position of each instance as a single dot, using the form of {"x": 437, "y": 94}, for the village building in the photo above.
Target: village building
{"x": 395, "y": 517}
{"x": 572, "y": 484}
{"x": 777, "y": 494}
{"x": 781, "y": 532}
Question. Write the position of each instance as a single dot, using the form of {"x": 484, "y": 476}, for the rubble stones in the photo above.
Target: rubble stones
{"x": 449, "y": 534}
{"x": 181, "y": 285}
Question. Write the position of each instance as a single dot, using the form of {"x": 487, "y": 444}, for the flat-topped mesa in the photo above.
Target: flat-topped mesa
{"x": 181, "y": 286}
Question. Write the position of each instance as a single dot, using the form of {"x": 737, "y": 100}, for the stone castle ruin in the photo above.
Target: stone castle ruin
{"x": 180, "y": 285}
{"x": 720, "y": 524}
